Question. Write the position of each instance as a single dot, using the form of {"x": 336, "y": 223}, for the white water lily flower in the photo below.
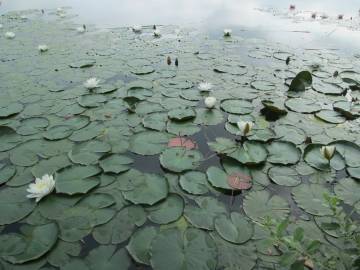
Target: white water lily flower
{"x": 327, "y": 151}
{"x": 91, "y": 83}
{"x": 80, "y": 29}
{"x": 137, "y": 28}
{"x": 205, "y": 86}
{"x": 42, "y": 187}
{"x": 227, "y": 32}
{"x": 245, "y": 127}
{"x": 43, "y": 48}
{"x": 59, "y": 9}
{"x": 157, "y": 33}
{"x": 210, "y": 102}
{"x": 348, "y": 95}
{"x": 9, "y": 35}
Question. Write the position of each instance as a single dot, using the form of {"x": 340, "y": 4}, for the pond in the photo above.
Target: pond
{"x": 159, "y": 140}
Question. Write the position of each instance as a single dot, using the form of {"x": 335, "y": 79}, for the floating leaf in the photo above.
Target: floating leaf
{"x": 192, "y": 250}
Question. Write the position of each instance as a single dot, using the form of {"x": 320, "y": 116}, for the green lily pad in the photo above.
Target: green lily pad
{"x": 284, "y": 153}
{"x": 330, "y": 116}
{"x": 76, "y": 179}
{"x": 58, "y": 132}
{"x": 194, "y": 249}
{"x": 10, "y": 109}
{"x": 313, "y": 157}
{"x": 14, "y": 205}
{"x": 166, "y": 211}
{"x": 218, "y": 178}
{"x": 348, "y": 190}
{"x": 203, "y": 215}
{"x": 121, "y": 227}
{"x": 311, "y": 199}
{"x": 237, "y": 106}
{"x": 302, "y": 80}
{"x": 236, "y": 229}
{"x": 12, "y": 244}
{"x": 115, "y": 163}
{"x": 302, "y": 105}
{"x": 140, "y": 243}
{"x": 249, "y": 153}
{"x": 39, "y": 240}
{"x": 181, "y": 114}
{"x": 147, "y": 189}
{"x": 108, "y": 258}
{"x": 87, "y": 153}
{"x": 260, "y": 204}
{"x": 148, "y": 142}
{"x": 180, "y": 159}
{"x": 194, "y": 182}
{"x": 284, "y": 176}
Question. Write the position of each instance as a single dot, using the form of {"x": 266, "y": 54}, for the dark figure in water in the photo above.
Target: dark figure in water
{"x": 176, "y": 62}
{"x": 42, "y": 12}
{"x": 168, "y": 60}
{"x": 154, "y": 27}
{"x": 84, "y": 26}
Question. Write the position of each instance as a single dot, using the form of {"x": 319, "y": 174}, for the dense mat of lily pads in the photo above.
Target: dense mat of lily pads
{"x": 134, "y": 168}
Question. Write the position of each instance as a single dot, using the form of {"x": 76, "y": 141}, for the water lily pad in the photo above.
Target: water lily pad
{"x": 302, "y": 105}
{"x": 203, "y": 215}
{"x": 87, "y": 153}
{"x": 178, "y": 159}
{"x": 284, "y": 176}
{"x": 121, "y": 227}
{"x": 166, "y": 211}
{"x": 181, "y": 114}
{"x": 109, "y": 258}
{"x": 148, "y": 142}
{"x": 194, "y": 182}
{"x": 58, "y": 132}
{"x": 232, "y": 256}
{"x": 313, "y": 157}
{"x": 249, "y": 153}
{"x": 192, "y": 250}
{"x": 147, "y": 189}
{"x": 236, "y": 229}
{"x": 14, "y": 205}
{"x": 283, "y": 153}
{"x": 260, "y": 204}
{"x": 10, "y": 109}
{"x": 330, "y": 116}
{"x": 208, "y": 117}
{"x": 12, "y": 244}
{"x": 39, "y": 240}
{"x": 311, "y": 199}
{"x": 237, "y": 106}
{"x": 6, "y": 172}
{"x": 115, "y": 163}
{"x": 8, "y": 138}
{"x": 156, "y": 121}
{"x": 218, "y": 178}
{"x": 76, "y": 179}
{"x": 140, "y": 243}
{"x": 302, "y": 80}
{"x": 32, "y": 126}
{"x": 348, "y": 190}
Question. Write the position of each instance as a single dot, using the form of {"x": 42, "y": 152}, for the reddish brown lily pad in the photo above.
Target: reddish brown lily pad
{"x": 182, "y": 142}
{"x": 239, "y": 181}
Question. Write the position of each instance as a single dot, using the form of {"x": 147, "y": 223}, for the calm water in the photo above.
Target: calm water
{"x": 211, "y": 16}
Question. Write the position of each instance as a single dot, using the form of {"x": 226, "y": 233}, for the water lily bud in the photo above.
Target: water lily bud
{"x": 137, "y": 28}
{"x": 227, "y": 32}
{"x": 43, "y": 48}
{"x": 327, "y": 151}
{"x": 245, "y": 127}
{"x": 210, "y": 102}
{"x": 10, "y": 35}
{"x": 157, "y": 33}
